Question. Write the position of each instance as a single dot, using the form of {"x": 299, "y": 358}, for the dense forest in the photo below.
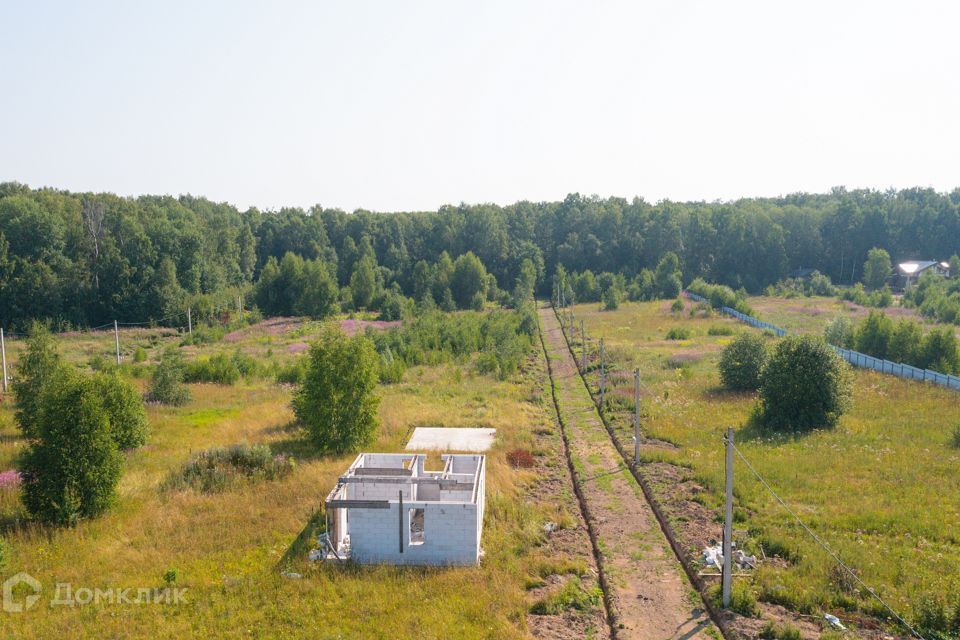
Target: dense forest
{"x": 84, "y": 259}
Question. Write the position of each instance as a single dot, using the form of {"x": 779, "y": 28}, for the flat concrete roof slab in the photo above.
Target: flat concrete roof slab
{"x": 444, "y": 439}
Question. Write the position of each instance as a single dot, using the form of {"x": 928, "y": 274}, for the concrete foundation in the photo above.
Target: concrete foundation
{"x": 388, "y": 509}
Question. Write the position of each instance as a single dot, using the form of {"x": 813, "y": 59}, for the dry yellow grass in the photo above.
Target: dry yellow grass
{"x": 229, "y": 549}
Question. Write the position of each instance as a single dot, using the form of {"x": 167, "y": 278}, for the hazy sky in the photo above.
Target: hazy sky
{"x": 401, "y": 105}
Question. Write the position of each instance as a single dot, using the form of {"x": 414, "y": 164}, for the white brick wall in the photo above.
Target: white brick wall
{"x": 450, "y": 535}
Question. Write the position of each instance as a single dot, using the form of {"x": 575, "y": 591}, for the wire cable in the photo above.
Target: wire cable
{"x": 823, "y": 544}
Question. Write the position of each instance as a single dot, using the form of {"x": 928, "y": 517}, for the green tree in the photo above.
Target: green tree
{"x": 166, "y": 385}
{"x": 422, "y": 281}
{"x": 905, "y": 342}
{"x": 363, "y": 283}
{"x": 877, "y": 269}
{"x": 124, "y": 407}
{"x": 337, "y": 401}
{"x": 37, "y": 365}
{"x": 939, "y": 351}
{"x": 741, "y": 362}
{"x": 72, "y": 466}
{"x": 804, "y": 385}
{"x": 468, "y": 279}
{"x": 839, "y": 332}
{"x": 611, "y": 299}
{"x": 318, "y": 291}
{"x": 667, "y": 277}
{"x": 873, "y": 335}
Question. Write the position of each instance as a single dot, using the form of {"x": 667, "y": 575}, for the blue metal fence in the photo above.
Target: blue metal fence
{"x": 855, "y": 358}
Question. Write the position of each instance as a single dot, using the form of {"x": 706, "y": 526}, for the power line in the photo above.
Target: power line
{"x": 823, "y": 544}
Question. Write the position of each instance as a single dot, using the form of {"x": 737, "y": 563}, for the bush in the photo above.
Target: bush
{"x": 955, "y": 437}
{"x": 719, "y": 296}
{"x": 742, "y": 361}
{"x": 520, "y": 459}
{"x": 218, "y": 368}
{"x": 71, "y": 468}
{"x": 839, "y": 332}
{"x": 293, "y": 372}
{"x": 677, "y": 306}
{"x": 220, "y": 468}
{"x": 391, "y": 368}
{"x": 804, "y": 385}
{"x": 166, "y": 386}
{"x": 336, "y": 402}
{"x": 128, "y": 419}
{"x": 611, "y": 299}
{"x": 720, "y": 330}
{"x": 678, "y": 333}
{"x": 37, "y": 365}
{"x": 140, "y": 355}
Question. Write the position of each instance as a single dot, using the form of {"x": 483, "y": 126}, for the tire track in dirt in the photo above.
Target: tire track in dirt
{"x": 649, "y": 595}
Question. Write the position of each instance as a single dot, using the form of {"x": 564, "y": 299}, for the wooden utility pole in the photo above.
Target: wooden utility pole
{"x": 636, "y": 417}
{"x": 583, "y": 342}
{"x": 189, "y": 322}
{"x": 3, "y": 353}
{"x": 603, "y": 374}
{"x": 728, "y": 524}
{"x": 116, "y": 337}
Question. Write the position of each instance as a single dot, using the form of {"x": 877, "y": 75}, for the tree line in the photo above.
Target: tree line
{"x": 84, "y": 259}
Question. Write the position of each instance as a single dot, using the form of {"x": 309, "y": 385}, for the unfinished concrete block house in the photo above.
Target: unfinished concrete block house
{"x": 388, "y": 509}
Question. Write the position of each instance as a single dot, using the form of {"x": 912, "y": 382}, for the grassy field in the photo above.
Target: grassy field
{"x": 229, "y": 549}
{"x": 882, "y": 488}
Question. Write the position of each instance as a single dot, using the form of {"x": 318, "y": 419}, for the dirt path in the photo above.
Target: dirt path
{"x": 651, "y": 597}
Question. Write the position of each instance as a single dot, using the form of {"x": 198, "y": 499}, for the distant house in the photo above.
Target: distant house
{"x": 909, "y": 271}
{"x": 802, "y": 273}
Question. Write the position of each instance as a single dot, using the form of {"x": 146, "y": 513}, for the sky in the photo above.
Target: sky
{"x": 410, "y": 105}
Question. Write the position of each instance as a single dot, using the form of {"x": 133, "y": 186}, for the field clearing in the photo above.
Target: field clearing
{"x": 229, "y": 549}
{"x": 882, "y": 488}
{"x": 811, "y": 314}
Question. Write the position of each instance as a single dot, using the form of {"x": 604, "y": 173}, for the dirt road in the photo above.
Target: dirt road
{"x": 652, "y": 598}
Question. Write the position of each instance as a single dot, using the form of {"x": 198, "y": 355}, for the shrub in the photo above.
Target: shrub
{"x": 71, "y": 468}
{"x": 220, "y": 468}
{"x": 611, "y": 299}
{"x": 391, "y": 368}
{"x": 804, "y": 385}
{"x": 721, "y": 296}
{"x": 166, "y": 386}
{"x": 742, "y": 361}
{"x": 720, "y": 330}
{"x": 336, "y": 402}
{"x": 37, "y": 365}
{"x": 677, "y": 306}
{"x": 955, "y": 437}
{"x": 128, "y": 419}
{"x": 140, "y": 355}
{"x": 520, "y": 459}
{"x": 218, "y": 368}
{"x": 293, "y": 372}
{"x": 839, "y": 332}
{"x": 678, "y": 333}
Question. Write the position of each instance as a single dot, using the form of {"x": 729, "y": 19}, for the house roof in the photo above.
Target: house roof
{"x": 912, "y": 267}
